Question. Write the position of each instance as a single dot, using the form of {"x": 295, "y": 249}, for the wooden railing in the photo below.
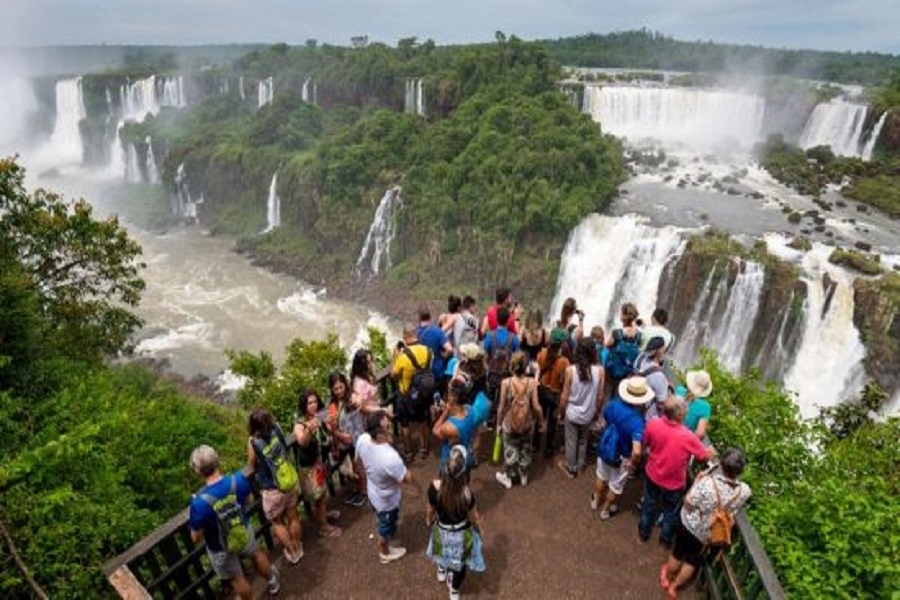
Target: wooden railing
{"x": 167, "y": 564}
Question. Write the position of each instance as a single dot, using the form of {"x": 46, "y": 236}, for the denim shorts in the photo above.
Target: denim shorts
{"x": 387, "y": 523}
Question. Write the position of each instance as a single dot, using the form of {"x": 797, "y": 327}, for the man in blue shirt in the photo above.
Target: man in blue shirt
{"x": 204, "y": 524}
{"x": 501, "y": 336}
{"x": 434, "y": 337}
{"x": 625, "y": 412}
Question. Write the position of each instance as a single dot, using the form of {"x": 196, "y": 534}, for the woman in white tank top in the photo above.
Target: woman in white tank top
{"x": 581, "y": 397}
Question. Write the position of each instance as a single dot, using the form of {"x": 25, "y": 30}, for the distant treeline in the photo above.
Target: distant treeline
{"x": 644, "y": 49}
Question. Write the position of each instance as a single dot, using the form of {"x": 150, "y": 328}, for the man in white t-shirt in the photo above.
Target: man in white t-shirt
{"x": 385, "y": 472}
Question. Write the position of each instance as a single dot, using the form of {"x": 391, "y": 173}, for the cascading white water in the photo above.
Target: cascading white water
{"x": 273, "y": 206}
{"x": 173, "y": 92}
{"x": 420, "y": 99}
{"x": 266, "y": 92}
{"x": 65, "y": 141}
{"x": 138, "y": 99}
{"x": 734, "y": 328}
{"x": 152, "y": 169}
{"x": 839, "y": 124}
{"x": 699, "y": 119}
{"x": 414, "y": 99}
{"x": 183, "y": 205}
{"x": 376, "y": 249}
{"x": 696, "y": 327}
{"x": 132, "y": 168}
{"x": 243, "y": 94}
{"x": 19, "y": 104}
{"x": 611, "y": 260}
{"x": 828, "y": 366}
{"x": 869, "y": 148}
{"x": 305, "y": 92}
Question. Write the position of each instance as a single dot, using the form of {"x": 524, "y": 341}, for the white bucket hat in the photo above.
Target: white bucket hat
{"x": 699, "y": 383}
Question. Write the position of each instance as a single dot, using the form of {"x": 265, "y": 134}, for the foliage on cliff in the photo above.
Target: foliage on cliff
{"x": 645, "y": 49}
{"x": 875, "y": 183}
{"x": 825, "y": 507}
{"x": 501, "y": 162}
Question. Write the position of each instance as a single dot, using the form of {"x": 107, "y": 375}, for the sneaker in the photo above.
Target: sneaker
{"x": 333, "y": 515}
{"x": 595, "y": 501}
{"x": 273, "y": 585}
{"x": 503, "y": 479}
{"x": 565, "y": 469}
{"x": 523, "y": 480}
{"x": 360, "y": 500}
{"x": 441, "y": 575}
{"x": 454, "y": 594}
{"x": 393, "y": 554}
{"x": 349, "y": 498}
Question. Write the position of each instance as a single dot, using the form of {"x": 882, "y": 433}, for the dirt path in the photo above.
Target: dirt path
{"x": 542, "y": 541}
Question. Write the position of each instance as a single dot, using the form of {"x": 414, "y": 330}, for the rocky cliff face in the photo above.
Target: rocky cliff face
{"x": 877, "y": 316}
{"x": 697, "y": 289}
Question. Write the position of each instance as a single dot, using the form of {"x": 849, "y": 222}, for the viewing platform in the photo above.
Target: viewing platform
{"x": 541, "y": 541}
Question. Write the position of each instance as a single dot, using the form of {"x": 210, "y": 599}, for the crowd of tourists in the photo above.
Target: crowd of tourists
{"x": 510, "y": 382}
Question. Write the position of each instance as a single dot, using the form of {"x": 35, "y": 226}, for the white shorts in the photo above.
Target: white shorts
{"x": 615, "y": 477}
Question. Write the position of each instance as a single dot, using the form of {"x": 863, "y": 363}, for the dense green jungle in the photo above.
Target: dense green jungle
{"x": 493, "y": 178}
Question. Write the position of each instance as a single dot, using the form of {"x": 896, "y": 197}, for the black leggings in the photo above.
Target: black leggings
{"x": 456, "y": 578}
{"x": 549, "y": 403}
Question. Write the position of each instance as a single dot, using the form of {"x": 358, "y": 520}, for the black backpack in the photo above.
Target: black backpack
{"x": 498, "y": 362}
{"x": 421, "y": 390}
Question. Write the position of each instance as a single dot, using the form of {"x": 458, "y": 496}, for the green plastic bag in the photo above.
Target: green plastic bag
{"x": 498, "y": 448}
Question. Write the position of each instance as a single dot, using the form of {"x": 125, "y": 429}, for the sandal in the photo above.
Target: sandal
{"x": 330, "y": 532}
{"x": 606, "y": 515}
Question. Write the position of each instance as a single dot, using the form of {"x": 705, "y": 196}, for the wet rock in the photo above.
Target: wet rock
{"x": 864, "y": 246}
{"x": 840, "y": 204}
{"x": 862, "y": 208}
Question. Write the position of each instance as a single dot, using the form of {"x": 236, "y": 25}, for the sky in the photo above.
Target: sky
{"x": 855, "y": 25}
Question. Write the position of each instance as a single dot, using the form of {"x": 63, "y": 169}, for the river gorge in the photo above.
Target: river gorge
{"x": 756, "y": 297}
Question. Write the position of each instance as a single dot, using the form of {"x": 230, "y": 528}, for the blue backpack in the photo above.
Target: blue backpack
{"x": 608, "y": 444}
{"x": 623, "y": 353}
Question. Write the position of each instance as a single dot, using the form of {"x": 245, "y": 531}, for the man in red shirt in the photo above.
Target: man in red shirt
{"x": 670, "y": 445}
{"x": 504, "y": 298}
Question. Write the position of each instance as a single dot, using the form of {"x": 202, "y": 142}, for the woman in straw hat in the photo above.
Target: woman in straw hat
{"x": 625, "y": 412}
{"x": 699, "y": 387}
{"x": 454, "y": 543}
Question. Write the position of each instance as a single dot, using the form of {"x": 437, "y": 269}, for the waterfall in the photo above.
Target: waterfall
{"x": 696, "y": 118}
{"x": 138, "y": 99}
{"x": 19, "y": 104}
{"x": 308, "y": 93}
{"x": 183, "y": 206}
{"x": 132, "y": 167}
{"x": 414, "y": 99}
{"x": 838, "y": 124}
{"x": 697, "y": 326}
{"x": 173, "y": 92}
{"x": 266, "y": 92}
{"x": 828, "y": 365}
{"x": 420, "y": 100}
{"x": 376, "y": 249}
{"x": 873, "y": 138}
{"x": 733, "y": 331}
{"x": 65, "y": 141}
{"x": 241, "y": 87}
{"x": 611, "y": 260}
{"x": 152, "y": 169}
{"x": 273, "y": 206}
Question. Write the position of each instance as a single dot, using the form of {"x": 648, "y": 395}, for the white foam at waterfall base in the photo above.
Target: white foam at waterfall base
{"x": 827, "y": 368}
{"x": 611, "y": 260}
{"x": 197, "y": 334}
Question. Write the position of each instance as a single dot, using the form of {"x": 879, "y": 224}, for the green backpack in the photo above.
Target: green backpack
{"x": 233, "y": 535}
{"x": 280, "y": 466}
